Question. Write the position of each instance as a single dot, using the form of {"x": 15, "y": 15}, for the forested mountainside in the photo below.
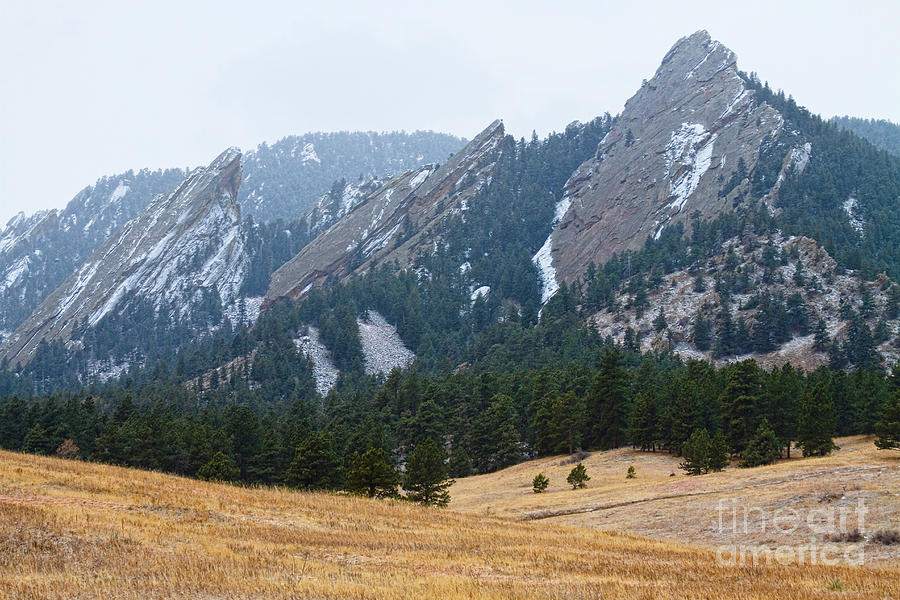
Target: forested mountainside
{"x": 614, "y": 283}
{"x": 882, "y": 133}
{"x": 38, "y": 252}
{"x": 282, "y": 179}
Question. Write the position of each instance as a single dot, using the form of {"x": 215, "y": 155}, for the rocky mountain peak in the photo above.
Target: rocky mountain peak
{"x": 183, "y": 247}
{"x": 688, "y": 135}
{"x": 390, "y": 224}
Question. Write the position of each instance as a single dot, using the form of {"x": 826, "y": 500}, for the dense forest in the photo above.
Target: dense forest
{"x": 882, "y": 133}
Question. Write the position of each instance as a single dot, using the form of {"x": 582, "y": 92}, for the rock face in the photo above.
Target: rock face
{"x": 283, "y": 179}
{"x": 673, "y": 151}
{"x": 38, "y": 252}
{"x": 394, "y": 223}
{"x": 183, "y": 243}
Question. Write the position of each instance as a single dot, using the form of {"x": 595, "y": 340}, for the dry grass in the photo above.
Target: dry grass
{"x": 686, "y": 509}
{"x": 74, "y": 530}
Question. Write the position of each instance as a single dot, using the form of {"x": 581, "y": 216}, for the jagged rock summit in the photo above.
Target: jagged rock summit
{"x": 675, "y": 149}
{"x": 394, "y": 223}
{"x": 184, "y": 244}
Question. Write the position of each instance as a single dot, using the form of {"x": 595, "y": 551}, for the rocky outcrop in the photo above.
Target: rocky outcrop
{"x": 38, "y": 252}
{"x": 675, "y": 149}
{"x": 183, "y": 243}
{"x": 394, "y": 223}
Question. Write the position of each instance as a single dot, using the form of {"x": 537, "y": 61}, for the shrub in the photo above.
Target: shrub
{"x": 631, "y": 473}
{"x": 886, "y": 537}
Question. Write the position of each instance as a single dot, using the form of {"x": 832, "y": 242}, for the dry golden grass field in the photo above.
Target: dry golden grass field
{"x": 687, "y": 509}
{"x": 72, "y": 530}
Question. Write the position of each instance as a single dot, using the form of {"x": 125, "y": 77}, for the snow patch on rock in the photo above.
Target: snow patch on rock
{"x": 482, "y": 292}
{"x": 382, "y": 347}
{"x": 688, "y": 156}
{"x": 851, "y": 207}
{"x": 544, "y": 257}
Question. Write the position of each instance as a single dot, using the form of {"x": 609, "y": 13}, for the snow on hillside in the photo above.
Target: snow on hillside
{"x": 382, "y": 347}
{"x": 325, "y": 372}
{"x": 544, "y": 259}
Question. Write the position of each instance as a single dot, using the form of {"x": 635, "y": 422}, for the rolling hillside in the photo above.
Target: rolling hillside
{"x": 78, "y": 530}
{"x": 662, "y": 502}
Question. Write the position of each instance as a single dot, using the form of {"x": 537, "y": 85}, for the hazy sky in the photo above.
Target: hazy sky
{"x": 92, "y": 88}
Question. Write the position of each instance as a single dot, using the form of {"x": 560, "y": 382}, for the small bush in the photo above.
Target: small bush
{"x": 886, "y": 537}
{"x": 577, "y": 457}
{"x": 631, "y": 474}
{"x": 845, "y": 536}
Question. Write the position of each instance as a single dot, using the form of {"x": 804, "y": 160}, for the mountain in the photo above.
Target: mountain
{"x": 882, "y": 133}
{"x": 681, "y": 144}
{"x": 184, "y": 250}
{"x": 282, "y": 179}
{"x": 394, "y": 222}
{"x": 38, "y": 252}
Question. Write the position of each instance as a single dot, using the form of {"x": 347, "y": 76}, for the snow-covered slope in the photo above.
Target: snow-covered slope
{"x": 38, "y": 252}
{"x": 182, "y": 247}
{"x": 393, "y": 223}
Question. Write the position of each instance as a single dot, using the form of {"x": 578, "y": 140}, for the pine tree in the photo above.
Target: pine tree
{"x": 315, "y": 464}
{"x": 888, "y": 426}
{"x": 701, "y": 333}
{"x": 426, "y": 479}
{"x": 642, "y": 429}
{"x": 719, "y": 456}
{"x": 740, "y": 400}
{"x": 659, "y": 323}
{"x": 631, "y": 474}
{"x": 822, "y": 340}
{"x": 578, "y": 477}
{"x": 607, "y": 400}
{"x": 220, "y": 467}
{"x": 816, "y": 420}
{"x": 763, "y": 448}
{"x": 696, "y": 453}
{"x": 37, "y": 441}
{"x": 539, "y": 483}
{"x": 371, "y": 474}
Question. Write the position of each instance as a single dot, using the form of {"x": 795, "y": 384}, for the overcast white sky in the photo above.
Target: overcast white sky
{"x": 90, "y": 88}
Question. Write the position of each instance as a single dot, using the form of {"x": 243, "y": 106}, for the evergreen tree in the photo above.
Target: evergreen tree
{"x": 495, "y": 437}
{"x": 703, "y": 454}
{"x": 578, "y": 477}
{"x": 459, "y": 465}
{"x": 315, "y": 464}
{"x": 539, "y": 483}
{"x": 719, "y": 456}
{"x": 607, "y": 401}
{"x": 816, "y": 421}
{"x": 426, "y": 479}
{"x": 37, "y": 441}
{"x": 642, "y": 429}
{"x": 659, "y": 323}
{"x": 888, "y": 426}
{"x": 701, "y": 333}
{"x": 740, "y": 400}
{"x": 822, "y": 340}
{"x": 763, "y": 448}
{"x": 220, "y": 467}
{"x": 371, "y": 474}
{"x": 696, "y": 452}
